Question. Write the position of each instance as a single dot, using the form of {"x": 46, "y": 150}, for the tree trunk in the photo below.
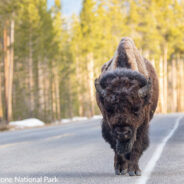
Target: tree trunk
{"x": 91, "y": 82}
{"x": 11, "y": 67}
{"x": 57, "y": 95}
{"x": 179, "y": 85}
{"x": 1, "y": 107}
{"x": 46, "y": 93}
{"x": 8, "y": 36}
{"x": 41, "y": 88}
{"x": 6, "y": 66}
{"x": 80, "y": 102}
{"x": 165, "y": 79}
{"x": 182, "y": 84}
{"x": 161, "y": 82}
{"x": 30, "y": 72}
{"x": 174, "y": 86}
{"x": 54, "y": 104}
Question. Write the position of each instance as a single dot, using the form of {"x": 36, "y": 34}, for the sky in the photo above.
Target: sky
{"x": 68, "y": 6}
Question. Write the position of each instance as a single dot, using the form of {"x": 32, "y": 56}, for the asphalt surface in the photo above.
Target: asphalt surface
{"x": 75, "y": 153}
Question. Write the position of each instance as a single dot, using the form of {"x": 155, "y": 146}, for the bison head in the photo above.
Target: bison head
{"x": 123, "y": 94}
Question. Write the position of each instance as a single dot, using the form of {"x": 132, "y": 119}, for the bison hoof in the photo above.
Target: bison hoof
{"x": 134, "y": 173}
{"x": 117, "y": 172}
{"x": 123, "y": 172}
{"x": 138, "y": 173}
{"x": 131, "y": 173}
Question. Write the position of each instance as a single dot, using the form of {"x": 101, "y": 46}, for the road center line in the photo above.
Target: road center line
{"x": 156, "y": 155}
{"x": 32, "y": 142}
{"x": 13, "y": 144}
{"x": 56, "y": 137}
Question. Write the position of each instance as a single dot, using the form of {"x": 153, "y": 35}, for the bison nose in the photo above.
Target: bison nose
{"x": 126, "y": 133}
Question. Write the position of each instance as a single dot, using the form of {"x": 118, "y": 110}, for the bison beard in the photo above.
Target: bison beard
{"x": 124, "y": 145}
{"x": 127, "y": 100}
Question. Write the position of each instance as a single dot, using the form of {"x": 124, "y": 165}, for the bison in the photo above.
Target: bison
{"x": 127, "y": 95}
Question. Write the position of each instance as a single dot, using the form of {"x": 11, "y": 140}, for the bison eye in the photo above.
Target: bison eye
{"x": 110, "y": 110}
{"x": 135, "y": 109}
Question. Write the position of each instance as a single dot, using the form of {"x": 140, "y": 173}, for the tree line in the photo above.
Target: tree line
{"x": 48, "y": 62}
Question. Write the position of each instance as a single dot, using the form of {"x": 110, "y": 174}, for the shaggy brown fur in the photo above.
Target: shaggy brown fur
{"x": 128, "y": 52}
{"x": 127, "y": 95}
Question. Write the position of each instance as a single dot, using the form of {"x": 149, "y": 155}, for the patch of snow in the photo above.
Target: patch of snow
{"x": 32, "y": 122}
{"x": 57, "y": 122}
{"x": 97, "y": 117}
{"x": 77, "y": 118}
{"x": 66, "y": 120}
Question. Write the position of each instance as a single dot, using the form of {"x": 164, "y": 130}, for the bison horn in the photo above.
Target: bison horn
{"x": 99, "y": 88}
{"x": 145, "y": 90}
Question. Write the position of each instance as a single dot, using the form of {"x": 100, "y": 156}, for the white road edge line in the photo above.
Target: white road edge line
{"x": 156, "y": 155}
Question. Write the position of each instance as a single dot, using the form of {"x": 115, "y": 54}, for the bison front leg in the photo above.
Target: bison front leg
{"x": 133, "y": 166}
{"x": 120, "y": 164}
{"x": 139, "y": 146}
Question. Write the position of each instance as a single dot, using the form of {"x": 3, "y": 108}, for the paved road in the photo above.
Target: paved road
{"x": 76, "y": 154}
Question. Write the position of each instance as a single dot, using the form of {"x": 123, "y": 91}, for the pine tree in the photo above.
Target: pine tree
{"x": 87, "y": 21}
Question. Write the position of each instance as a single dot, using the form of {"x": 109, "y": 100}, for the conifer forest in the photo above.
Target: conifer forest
{"x": 48, "y": 61}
